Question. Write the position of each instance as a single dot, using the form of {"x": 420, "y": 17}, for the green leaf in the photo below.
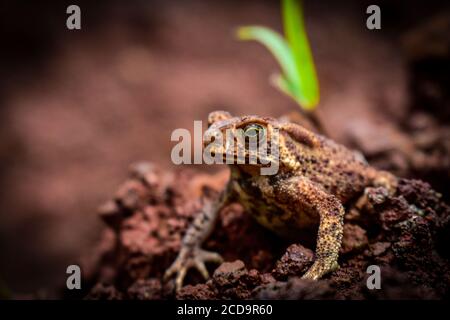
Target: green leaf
{"x": 298, "y": 41}
{"x": 282, "y": 84}
{"x": 279, "y": 48}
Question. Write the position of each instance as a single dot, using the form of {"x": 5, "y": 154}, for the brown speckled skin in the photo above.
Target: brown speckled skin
{"x": 316, "y": 177}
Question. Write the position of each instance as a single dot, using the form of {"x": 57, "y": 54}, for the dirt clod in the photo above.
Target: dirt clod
{"x": 294, "y": 262}
{"x": 145, "y": 290}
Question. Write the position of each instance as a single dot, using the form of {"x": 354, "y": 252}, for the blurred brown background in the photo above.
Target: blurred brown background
{"x": 77, "y": 107}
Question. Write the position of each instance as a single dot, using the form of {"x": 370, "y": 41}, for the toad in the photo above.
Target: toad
{"x": 315, "y": 178}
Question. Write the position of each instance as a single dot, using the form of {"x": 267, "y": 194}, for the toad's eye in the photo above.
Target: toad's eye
{"x": 255, "y": 131}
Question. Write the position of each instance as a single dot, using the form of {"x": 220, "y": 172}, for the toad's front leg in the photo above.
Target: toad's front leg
{"x": 191, "y": 255}
{"x": 309, "y": 196}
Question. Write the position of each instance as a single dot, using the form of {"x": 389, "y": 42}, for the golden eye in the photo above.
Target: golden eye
{"x": 255, "y": 131}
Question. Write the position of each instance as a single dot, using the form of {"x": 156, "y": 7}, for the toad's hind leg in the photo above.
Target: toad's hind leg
{"x": 308, "y": 195}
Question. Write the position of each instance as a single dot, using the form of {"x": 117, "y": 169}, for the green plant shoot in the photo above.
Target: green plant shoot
{"x": 298, "y": 78}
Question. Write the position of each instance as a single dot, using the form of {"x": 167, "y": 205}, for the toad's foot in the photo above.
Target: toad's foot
{"x": 191, "y": 258}
{"x": 320, "y": 268}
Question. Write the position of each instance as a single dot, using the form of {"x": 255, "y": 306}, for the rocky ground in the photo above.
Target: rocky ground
{"x": 406, "y": 235}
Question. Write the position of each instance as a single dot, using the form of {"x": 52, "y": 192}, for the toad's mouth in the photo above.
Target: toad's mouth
{"x": 246, "y": 159}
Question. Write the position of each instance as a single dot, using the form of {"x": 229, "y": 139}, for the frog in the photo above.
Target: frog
{"x": 316, "y": 177}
